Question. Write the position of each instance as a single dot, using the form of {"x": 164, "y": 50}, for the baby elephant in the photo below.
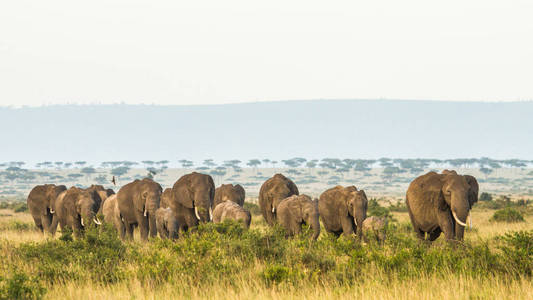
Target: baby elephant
{"x": 231, "y": 211}
{"x": 375, "y": 226}
{"x": 166, "y": 223}
{"x": 296, "y": 210}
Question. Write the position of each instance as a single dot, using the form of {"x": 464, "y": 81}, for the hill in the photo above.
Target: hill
{"x": 312, "y": 129}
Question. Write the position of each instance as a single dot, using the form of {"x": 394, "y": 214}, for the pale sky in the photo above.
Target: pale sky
{"x": 214, "y": 52}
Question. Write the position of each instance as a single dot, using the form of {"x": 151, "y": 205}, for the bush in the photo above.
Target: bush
{"x": 21, "y": 286}
{"x": 253, "y": 208}
{"x": 15, "y": 225}
{"x": 509, "y": 215}
{"x": 485, "y": 197}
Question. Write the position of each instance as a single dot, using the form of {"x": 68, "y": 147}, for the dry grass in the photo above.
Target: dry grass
{"x": 375, "y": 286}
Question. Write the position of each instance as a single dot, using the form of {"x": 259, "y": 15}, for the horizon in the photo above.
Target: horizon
{"x": 267, "y": 101}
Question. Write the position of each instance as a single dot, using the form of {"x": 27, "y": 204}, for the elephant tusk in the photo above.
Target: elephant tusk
{"x": 210, "y": 213}
{"x": 145, "y": 213}
{"x": 457, "y": 219}
{"x": 273, "y": 209}
{"x": 196, "y": 213}
{"x": 82, "y": 222}
{"x": 52, "y": 211}
{"x": 97, "y": 222}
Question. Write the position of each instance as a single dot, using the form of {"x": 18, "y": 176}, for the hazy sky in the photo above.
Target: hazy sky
{"x": 200, "y": 52}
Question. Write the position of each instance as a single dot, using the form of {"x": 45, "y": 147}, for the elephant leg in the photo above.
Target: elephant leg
{"x": 46, "y": 221}
{"x": 347, "y": 226}
{"x": 53, "y": 226}
{"x": 38, "y": 223}
{"x": 434, "y": 234}
{"x": 119, "y": 226}
{"x": 420, "y": 234}
{"x": 129, "y": 231}
{"x": 142, "y": 222}
{"x": 446, "y": 224}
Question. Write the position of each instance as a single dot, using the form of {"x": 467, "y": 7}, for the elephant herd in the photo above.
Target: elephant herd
{"x": 437, "y": 203}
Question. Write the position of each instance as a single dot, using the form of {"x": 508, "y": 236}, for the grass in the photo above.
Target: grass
{"x": 224, "y": 261}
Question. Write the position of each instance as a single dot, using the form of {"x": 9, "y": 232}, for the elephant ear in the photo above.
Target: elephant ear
{"x": 473, "y": 191}
{"x": 430, "y": 187}
{"x": 184, "y": 195}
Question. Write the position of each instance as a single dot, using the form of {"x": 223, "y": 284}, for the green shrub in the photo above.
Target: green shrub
{"x": 253, "y": 208}
{"x": 485, "y": 197}
{"x": 509, "y": 215}
{"x": 20, "y": 286}
{"x": 20, "y": 207}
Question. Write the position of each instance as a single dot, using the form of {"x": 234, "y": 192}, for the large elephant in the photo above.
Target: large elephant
{"x": 192, "y": 200}
{"x": 138, "y": 202}
{"x": 77, "y": 208}
{"x": 166, "y": 197}
{"x": 111, "y": 213}
{"x": 343, "y": 210}
{"x": 229, "y": 192}
{"x": 41, "y": 206}
{"x": 441, "y": 203}
{"x": 229, "y": 210}
{"x": 297, "y": 210}
{"x": 272, "y": 192}
{"x": 167, "y": 223}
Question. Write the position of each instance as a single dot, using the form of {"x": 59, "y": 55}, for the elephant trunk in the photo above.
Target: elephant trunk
{"x": 202, "y": 207}
{"x": 315, "y": 225}
{"x": 360, "y": 217}
{"x": 152, "y": 225}
{"x": 460, "y": 211}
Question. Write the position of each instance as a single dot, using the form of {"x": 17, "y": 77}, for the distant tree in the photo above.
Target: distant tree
{"x": 322, "y": 173}
{"x": 186, "y": 163}
{"x": 101, "y": 179}
{"x": 485, "y": 197}
{"x": 119, "y": 171}
{"x": 274, "y": 163}
{"x": 485, "y": 171}
{"x": 67, "y": 165}
{"x": 148, "y": 163}
{"x": 209, "y": 163}
{"x": 58, "y": 164}
{"x": 311, "y": 164}
{"x": 74, "y": 176}
{"x": 88, "y": 171}
{"x": 253, "y": 163}
{"x": 266, "y": 161}
{"x": 80, "y": 164}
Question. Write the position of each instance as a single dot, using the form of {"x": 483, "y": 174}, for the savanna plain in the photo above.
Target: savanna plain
{"x": 225, "y": 261}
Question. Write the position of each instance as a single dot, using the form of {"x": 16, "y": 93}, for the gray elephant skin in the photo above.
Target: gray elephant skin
{"x": 41, "y": 206}
{"x": 229, "y": 210}
{"x": 297, "y": 210}
{"x": 375, "y": 227}
{"x": 192, "y": 200}
{"x": 112, "y": 216}
{"x": 229, "y": 192}
{"x": 167, "y": 223}
{"x": 76, "y": 209}
{"x": 138, "y": 202}
{"x": 343, "y": 210}
{"x": 272, "y": 192}
{"x": 166, "y": 198}
{"x": 440, "y": 203}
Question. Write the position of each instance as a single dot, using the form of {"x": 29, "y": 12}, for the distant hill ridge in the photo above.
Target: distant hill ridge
{"x": 275, "y": 130}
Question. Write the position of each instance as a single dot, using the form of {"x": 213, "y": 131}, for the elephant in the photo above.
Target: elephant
{"x": 102, "y": 192}
{"x": 41, "y": 206}
{"x": 473, "y": 191}
{"x": 375, "y": 226}
{"x": 296, "y": 210}
{"x": 111, "y": 213}
{"x": 272, "y": 192}
{"x": 441, "y": 203}
{"x": 167, "y": 223}
{"x": 343, "y": 210}
{"x": 165, "y": 198}
{"x": 76, "y": 208}
{"x": 138, "y": 202}
{"x": 229, "y": 192}
{"x": 192, "y": 200}
{"x": 229, "y": 210}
